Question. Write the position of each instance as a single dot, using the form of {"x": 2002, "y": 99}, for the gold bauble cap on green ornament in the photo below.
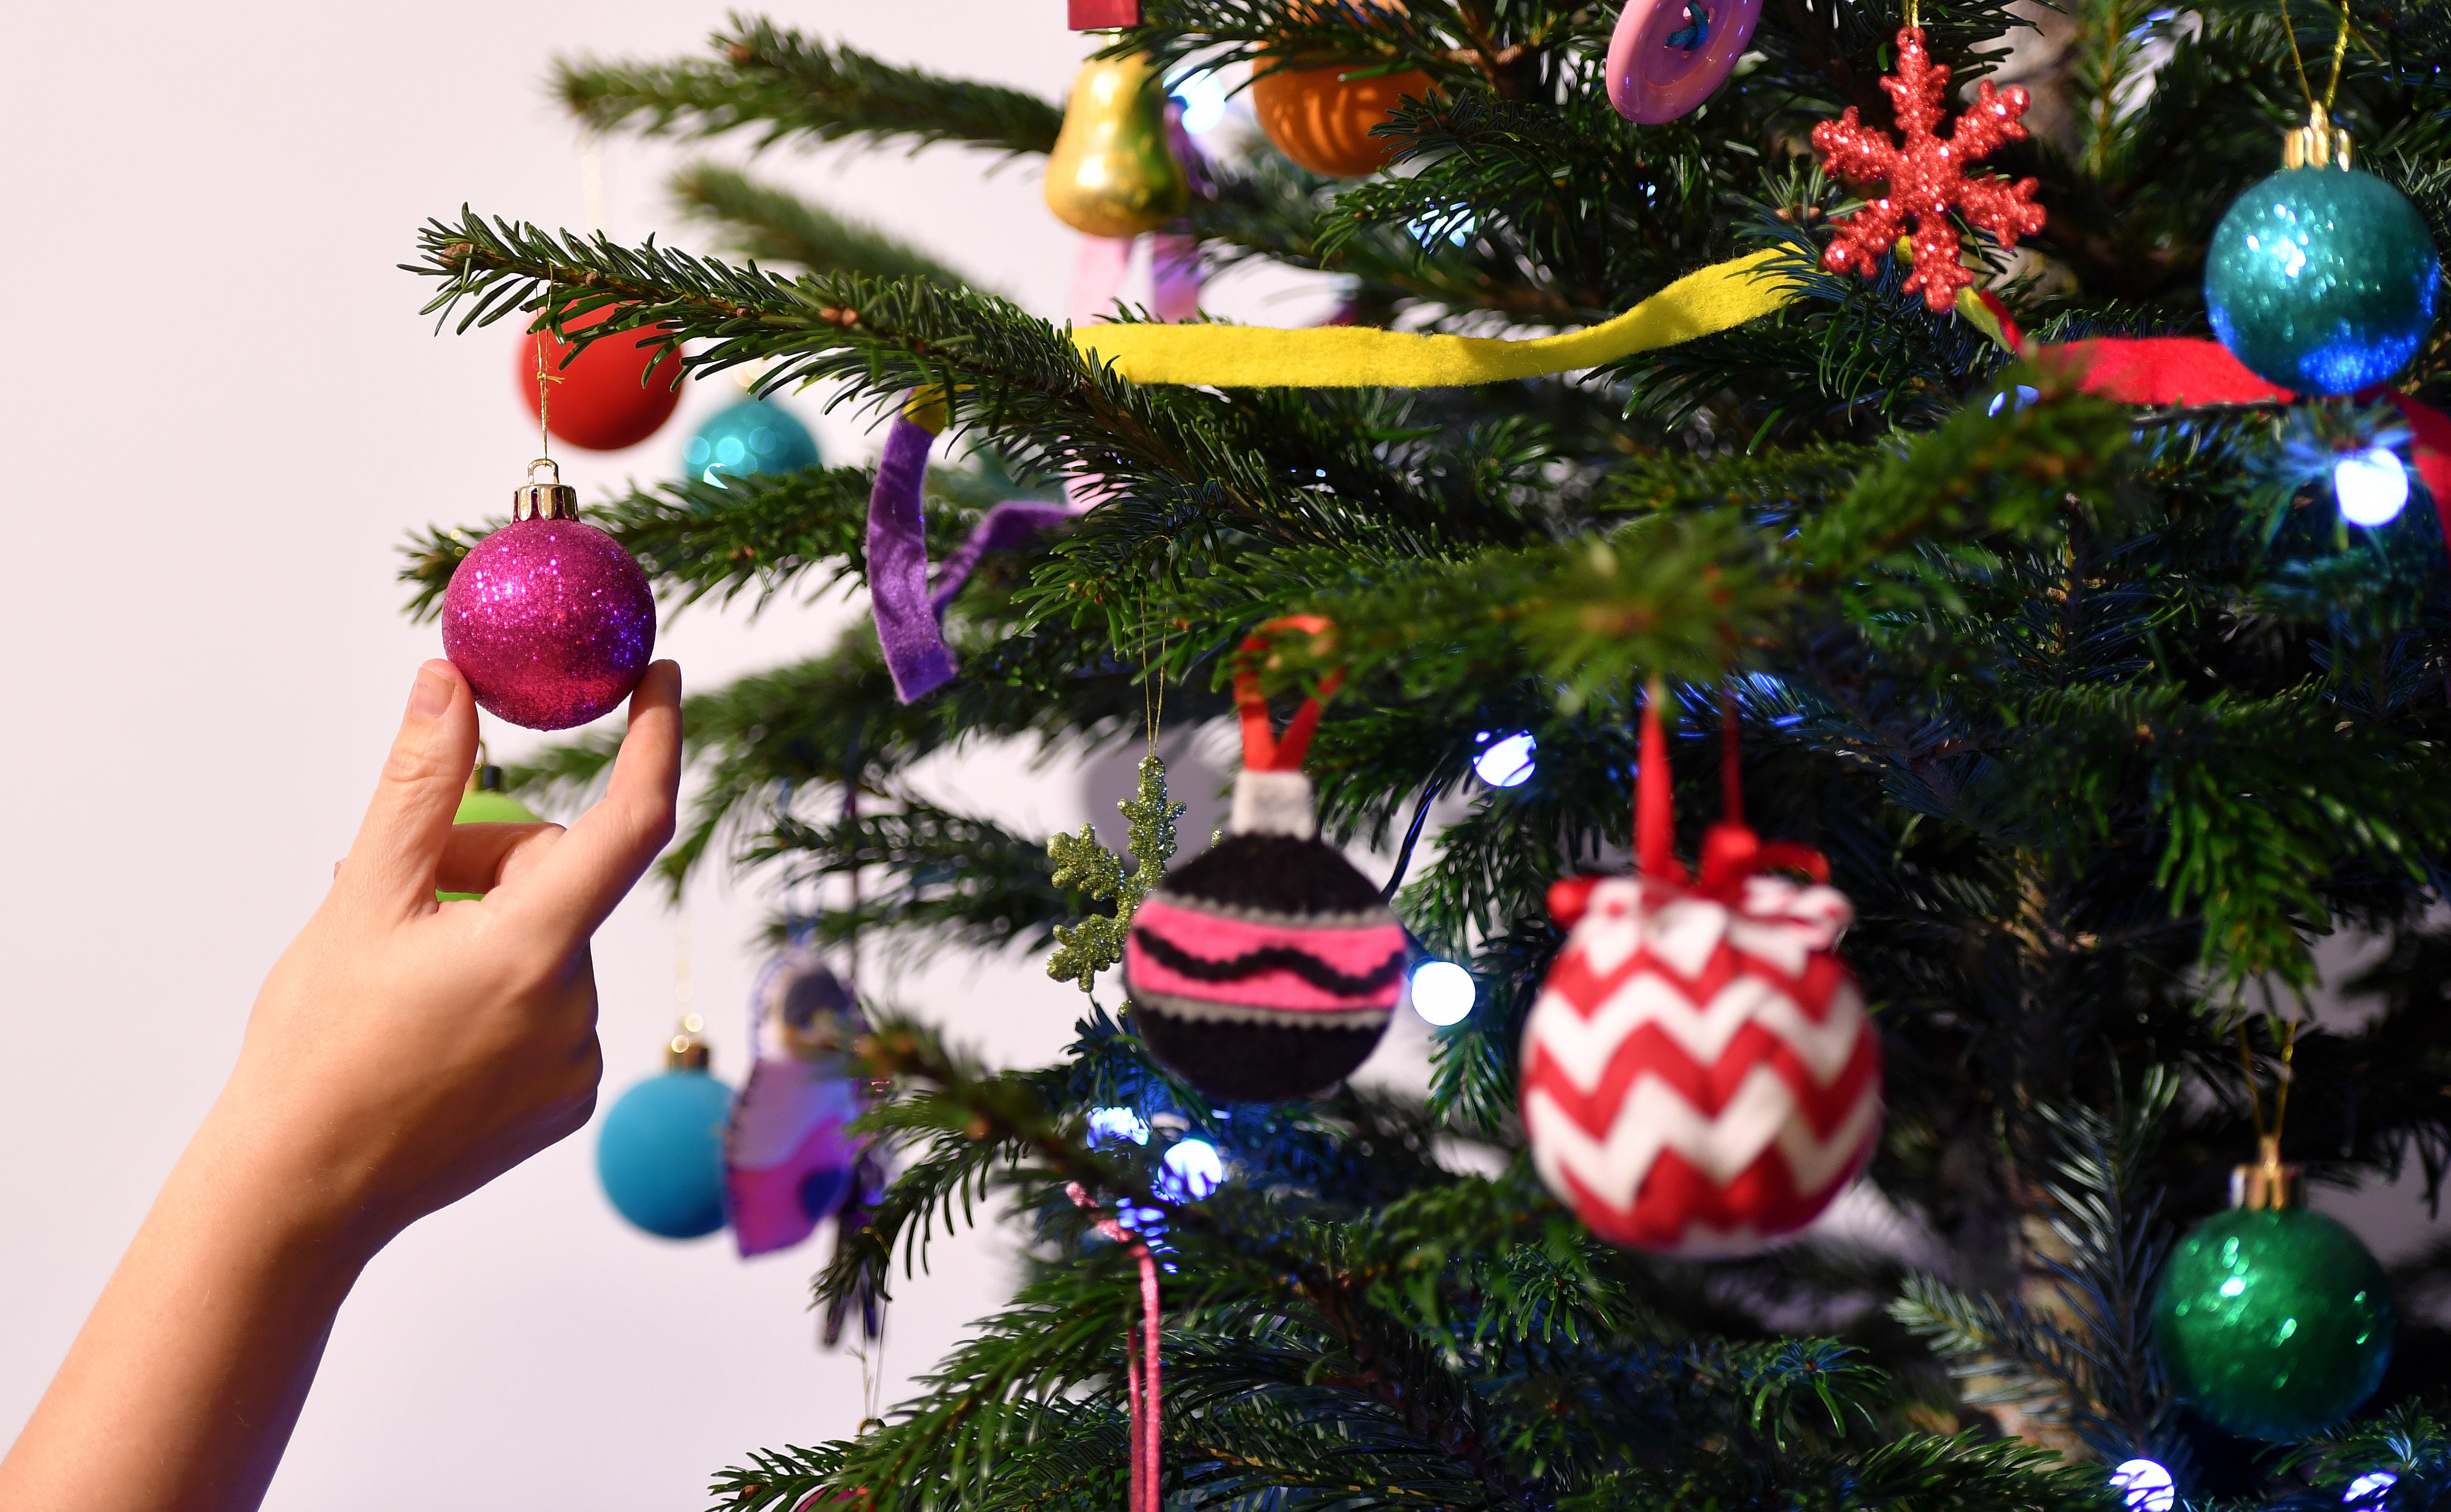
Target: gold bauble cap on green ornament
{"x": 486, "y": 802}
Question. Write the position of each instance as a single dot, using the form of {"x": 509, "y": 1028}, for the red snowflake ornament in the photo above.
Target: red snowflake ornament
{"x": 1927, "y": 176}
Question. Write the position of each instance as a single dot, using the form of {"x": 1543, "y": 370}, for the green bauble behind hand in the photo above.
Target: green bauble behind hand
{"x": 2274, "y": 1324}
{"x": 493, "y": 807}
{"x": 486, "y": 803}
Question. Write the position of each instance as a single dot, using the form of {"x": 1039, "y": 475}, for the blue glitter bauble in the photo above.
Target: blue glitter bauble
{"x": 2322, "y": 280}
{"x": 2273, "y": 1325}
{"x": 755, "y": 436}
{"x": 660, "y": 1154}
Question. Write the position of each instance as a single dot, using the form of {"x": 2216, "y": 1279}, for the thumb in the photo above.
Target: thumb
{"x": 401, "y": 840}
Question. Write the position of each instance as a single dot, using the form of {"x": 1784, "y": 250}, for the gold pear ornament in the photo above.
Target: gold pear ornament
{"x": 1112, "y": 172}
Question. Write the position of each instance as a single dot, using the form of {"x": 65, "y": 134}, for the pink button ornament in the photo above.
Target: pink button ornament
{"x": 1667, "y": 56}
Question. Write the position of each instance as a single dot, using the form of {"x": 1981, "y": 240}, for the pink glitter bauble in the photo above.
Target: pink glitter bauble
{"x": 552, "y": 623}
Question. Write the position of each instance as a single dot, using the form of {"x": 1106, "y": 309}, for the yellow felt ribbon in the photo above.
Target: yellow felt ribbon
{"x": 1712, "y": 299}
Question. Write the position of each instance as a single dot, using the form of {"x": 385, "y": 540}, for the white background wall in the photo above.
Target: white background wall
{"x": 222, "y": 411}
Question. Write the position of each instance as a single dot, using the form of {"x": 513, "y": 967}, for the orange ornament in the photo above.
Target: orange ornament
{"x": 1322, "y": 119}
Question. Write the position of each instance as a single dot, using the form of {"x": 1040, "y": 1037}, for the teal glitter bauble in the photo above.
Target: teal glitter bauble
{"x": 755, "y": 436}
{"x": 2273, "y": 1325}
{"x": 660, "y": 1154}
{"x": 2322, "y": 280}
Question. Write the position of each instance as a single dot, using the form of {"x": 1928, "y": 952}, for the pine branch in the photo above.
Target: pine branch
{"x": 697, "y": 537}
{"x": 2083, "y": 1357}
{"x": 767, "y": 222}
{"x": 1916, "y": 1473}
{"x": 1235, "y": 458}
{"x": 929, "y": 878}
{"x": 784, "y": 84}
{"x": 1549, "y": 185}
{"x": 1668, "y": 595}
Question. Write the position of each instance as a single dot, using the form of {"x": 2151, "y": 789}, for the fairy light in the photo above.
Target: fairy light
{"x": 1193, "y": 1169}
{"x": 1111, "y": 1125}
{"x": 2144, "y": 1485}
{"x": 1203, "y": 96}
{"x": 1505, "y": 761}
{"x": 1444, "y": 992}
{"x": 2371, "y": 486}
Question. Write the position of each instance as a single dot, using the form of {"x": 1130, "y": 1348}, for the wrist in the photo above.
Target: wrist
{"x": 307, "y": 1210}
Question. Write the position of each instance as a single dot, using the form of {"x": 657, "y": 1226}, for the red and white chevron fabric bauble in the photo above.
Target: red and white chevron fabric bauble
{"x": 1699, "y": 1079}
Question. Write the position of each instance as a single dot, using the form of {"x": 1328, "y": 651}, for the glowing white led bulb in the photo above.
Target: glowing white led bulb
{"x": 2371, "y": 486}
{"x": 2147, "y": 1486}
{"x": 1442, "y": 992}
{"x": 1192, "y": 1169}
{"x": 1506, "y": 761}
{"x": 1204, "y": 100}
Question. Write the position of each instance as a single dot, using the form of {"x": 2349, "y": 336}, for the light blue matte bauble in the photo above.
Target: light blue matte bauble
{"x": 755, "y": 436}
{"x": 2322, "y": 280}
{"x": 660, "y": 1154}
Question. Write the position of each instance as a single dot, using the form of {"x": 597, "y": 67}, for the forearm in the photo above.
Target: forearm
{"x": 181, "y": 1388}
{"x": 401, "y": 1054}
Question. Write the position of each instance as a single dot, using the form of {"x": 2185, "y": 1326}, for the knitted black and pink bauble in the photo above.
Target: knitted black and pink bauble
{"x": 1267, "y": 967}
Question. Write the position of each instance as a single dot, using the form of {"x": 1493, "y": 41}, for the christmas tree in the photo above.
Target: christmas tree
{"x": 2102, "y": 697}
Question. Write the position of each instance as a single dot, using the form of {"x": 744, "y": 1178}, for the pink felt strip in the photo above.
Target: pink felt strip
{"x": 1355, "y": 952}
{"x": 1272, "y": 989}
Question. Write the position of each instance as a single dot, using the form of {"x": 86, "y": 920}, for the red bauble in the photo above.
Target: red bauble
{"x": 1927, "y": 176}
{"x": 1699, "y": 1076}
{"x": 603, "y": 398}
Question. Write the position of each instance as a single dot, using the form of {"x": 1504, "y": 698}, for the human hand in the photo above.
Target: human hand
{"x": 403, "y": 1052}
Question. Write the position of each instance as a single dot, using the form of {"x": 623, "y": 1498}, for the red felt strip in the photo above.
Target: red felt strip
{"x": 2432, "y": 453}
{"x": 2165, "y": 370}
{"x": 1104, "y": 15}
{"x": 2191, "y": 370}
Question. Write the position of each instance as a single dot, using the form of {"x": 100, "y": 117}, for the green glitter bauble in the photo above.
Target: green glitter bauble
{"x": 2273, "y": 1325}
{"x": 2322, "y": 280}
{"x": 487, "y": 807}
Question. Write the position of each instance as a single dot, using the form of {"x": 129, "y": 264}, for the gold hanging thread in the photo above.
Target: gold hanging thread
{"x": 2269, "y": 1184}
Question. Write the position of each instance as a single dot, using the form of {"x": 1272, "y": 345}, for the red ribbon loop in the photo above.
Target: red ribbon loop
{"x": 1141, "y": 1368}
{"x": 1732, "y": 854}
{"x": 1263, "y": 750}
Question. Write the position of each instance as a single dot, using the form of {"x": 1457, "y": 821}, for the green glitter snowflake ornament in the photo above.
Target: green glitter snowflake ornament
{"x": 1084, "y": 950}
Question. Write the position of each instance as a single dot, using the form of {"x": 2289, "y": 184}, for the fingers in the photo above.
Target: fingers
{"x": 479, "y": 857}
{"x": 400, "y": 839}
{"x": 584, "y": 873}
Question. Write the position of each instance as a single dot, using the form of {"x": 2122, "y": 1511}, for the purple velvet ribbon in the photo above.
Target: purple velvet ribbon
{"x": 909, "y": 611}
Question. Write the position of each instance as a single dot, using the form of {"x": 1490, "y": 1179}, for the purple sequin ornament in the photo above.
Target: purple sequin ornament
{"x": 550, "y": 620}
